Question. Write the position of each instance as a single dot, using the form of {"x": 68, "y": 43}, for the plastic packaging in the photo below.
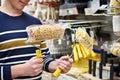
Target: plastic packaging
{"x": 116, "y": 25}
{"x": 83, "y": 38}
{"x": 115, "y": 49}
{"x": 115, "y": 6}
{"x": 38, "y": 33}
{"x": 114, "y": 3}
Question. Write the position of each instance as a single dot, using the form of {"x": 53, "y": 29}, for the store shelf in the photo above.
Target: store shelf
{"x": 80, "y": 21}
{"x": 87, "y": 24}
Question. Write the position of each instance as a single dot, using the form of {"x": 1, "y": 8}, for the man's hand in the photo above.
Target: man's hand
{"x": 65, "y": 64}
{"x": 31, "y": 68}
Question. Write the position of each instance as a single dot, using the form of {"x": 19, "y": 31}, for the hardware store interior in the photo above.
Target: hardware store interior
{"x": 91, "y": 36}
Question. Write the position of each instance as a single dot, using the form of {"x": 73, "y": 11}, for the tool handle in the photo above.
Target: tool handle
{"x": 38, "y": 53}
{"x": 57, "y": 72}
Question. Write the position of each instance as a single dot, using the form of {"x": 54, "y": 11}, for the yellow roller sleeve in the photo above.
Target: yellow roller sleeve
{"x": 75, "y": 53}
{"x": 79, "y": 51}
{"x": 38, "y": 53}
{"x": 93, "y": 54}
{"x": 85, "y": 51}
{"x": 57, "y": 72}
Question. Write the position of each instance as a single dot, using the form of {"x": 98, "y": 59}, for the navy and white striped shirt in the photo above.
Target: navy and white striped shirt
{"x": 13, "y": 47}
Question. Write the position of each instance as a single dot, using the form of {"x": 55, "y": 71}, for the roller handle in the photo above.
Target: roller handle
{"x": 57, "y": 72}
{"x": 38, "y": 53}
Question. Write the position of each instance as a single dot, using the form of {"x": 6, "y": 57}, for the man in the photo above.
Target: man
{"x": 17, "y": 59}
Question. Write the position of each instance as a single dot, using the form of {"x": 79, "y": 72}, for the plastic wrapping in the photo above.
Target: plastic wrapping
{"x": 114, "y": 3}
{"x": 116, "y": 28}
{"x": 83, "y": 38}
{"x": 38, "y": 33}
{"x": 115, "y": 49}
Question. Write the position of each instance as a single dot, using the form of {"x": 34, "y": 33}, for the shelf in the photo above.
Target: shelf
{"x": 104, "y": 14}
{"x": 80, "y": 21}
{"x": 84, "y": 23}
{"x": 102, "y": 11}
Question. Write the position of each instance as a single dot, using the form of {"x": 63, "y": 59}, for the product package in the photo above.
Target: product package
{"x": 115, "y": 49}
{"x": 83, "y": 38}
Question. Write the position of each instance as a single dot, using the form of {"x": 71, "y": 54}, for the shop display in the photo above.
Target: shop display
{"x": 43, "y": 9}
{"x": 51, "y": 9}
{"x": 81, "y": 47}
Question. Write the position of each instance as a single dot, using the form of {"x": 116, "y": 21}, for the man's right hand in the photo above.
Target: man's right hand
{"x": 31, "y": 68}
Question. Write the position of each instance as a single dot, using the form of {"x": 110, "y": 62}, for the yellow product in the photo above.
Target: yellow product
{"x": 75, "y": 53}
{"x": 38, "y": 53}
{"x": 57, "y": 72}
{"x": 85, "y": 51}
{"x": 81, "y": 63}
{"x": 80, "y": 55}
{"x": 83, "y": 38}
{"x": 79, "y": 68}
{"x": 94, "y": 56}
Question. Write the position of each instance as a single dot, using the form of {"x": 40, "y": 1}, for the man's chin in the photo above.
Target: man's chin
{"x": 21, "y": 8}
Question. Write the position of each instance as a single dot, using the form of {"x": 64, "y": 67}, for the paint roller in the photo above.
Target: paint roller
{"x": 37, "y": 33}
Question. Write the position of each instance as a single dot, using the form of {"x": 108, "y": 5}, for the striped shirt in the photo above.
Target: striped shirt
{"x": 13, "y": 47}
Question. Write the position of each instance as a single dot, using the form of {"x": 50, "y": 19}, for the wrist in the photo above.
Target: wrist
{"x": 18, "y": 70}
{"x": 53, "y": 68}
